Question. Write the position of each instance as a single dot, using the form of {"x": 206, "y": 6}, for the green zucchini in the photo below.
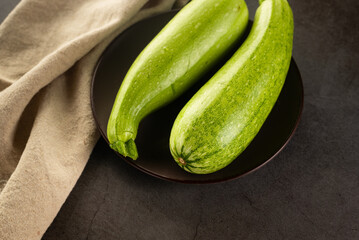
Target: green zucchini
{"x": 186, "y": 48}
{"x": 224, "y": 116}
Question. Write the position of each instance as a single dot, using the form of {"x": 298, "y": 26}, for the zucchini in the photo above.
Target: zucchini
{"x": 224, "y": 116}
{"x": 186, "y": 48}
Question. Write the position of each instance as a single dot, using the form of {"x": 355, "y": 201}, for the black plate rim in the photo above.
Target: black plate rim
{"x": 199, "y": 182}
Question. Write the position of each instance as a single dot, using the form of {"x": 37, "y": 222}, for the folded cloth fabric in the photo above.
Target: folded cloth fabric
{"x": 48, "y": 50}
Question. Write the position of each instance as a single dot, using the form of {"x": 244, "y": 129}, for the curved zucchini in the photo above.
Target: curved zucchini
{"x": 224, "y": 116}
{"x": 187, "y": 47}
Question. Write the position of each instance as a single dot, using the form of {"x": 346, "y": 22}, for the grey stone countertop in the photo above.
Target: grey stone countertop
{"x": 309, "y": 191}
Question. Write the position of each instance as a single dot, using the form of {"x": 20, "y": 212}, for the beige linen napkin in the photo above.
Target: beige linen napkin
{"x": 48, "y": 50}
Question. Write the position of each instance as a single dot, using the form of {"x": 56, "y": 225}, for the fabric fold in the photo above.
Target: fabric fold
{"x": 48, "y": 50}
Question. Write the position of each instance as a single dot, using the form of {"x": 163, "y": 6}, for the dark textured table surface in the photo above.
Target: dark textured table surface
{"x": 309, "y": 191}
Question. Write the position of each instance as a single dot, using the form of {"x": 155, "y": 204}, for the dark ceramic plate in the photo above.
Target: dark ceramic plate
{"x": 154, "y": 131}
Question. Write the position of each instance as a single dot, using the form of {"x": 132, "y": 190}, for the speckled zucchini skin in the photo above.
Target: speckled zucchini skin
{"x": 188, "y": 46}
{"x": 224, "y": 116}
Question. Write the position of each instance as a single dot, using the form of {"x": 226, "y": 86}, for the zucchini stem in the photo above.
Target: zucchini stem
{"x": 127, "y": 149}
